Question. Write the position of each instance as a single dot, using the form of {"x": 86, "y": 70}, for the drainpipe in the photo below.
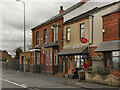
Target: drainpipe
{"x": 91, "y": 39}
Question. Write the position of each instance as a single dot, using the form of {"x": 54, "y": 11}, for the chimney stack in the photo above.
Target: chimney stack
{"x": 61, "y": 9}
{"x": 82, "y": 2}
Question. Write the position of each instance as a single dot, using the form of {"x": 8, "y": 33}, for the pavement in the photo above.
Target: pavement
{"x": 51, "y": 81}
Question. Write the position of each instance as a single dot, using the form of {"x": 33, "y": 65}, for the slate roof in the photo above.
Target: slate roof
{"x": 73, "y": 51}
{"x": 58, "y": 15}
{"x": 118, "y": 10}
{"x": 108, "y": 46}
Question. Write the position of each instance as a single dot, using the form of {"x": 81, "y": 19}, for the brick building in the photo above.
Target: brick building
{"x": 87, "y": 25}
{"x": 4, "y": 55}
{"x": 111, "y": 42}
{"x": 47, "y": 42}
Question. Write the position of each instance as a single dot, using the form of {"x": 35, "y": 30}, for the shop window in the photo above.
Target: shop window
{"x": 116, "y": 60}
{"x": 82, "y": 32}
{"x": 38, "y": 58}
{"x": 55, "y": 34}
{"x": 68, "y": 34}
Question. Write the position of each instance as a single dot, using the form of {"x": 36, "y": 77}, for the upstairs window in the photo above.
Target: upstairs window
{"x": 68, "y": 34}
{"x": 82, "y": 32}
{"x": 45, "y": 36}
{"x": 38, "y": 38}
{"x": 55, "y": 34}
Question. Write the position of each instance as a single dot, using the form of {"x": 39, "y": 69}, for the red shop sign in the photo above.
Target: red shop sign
{"x": 83, "y": 40}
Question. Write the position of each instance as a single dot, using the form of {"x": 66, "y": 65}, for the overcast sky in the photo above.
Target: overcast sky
{"x": 11, "y": 19}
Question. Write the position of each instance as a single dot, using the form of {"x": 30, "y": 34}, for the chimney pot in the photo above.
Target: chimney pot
{"x": 61, "y": 9}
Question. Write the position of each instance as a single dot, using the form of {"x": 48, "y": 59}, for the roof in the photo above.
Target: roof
{"x": 58, "y": 15}
{"x": 89, "y": 13}
{"x": 108, "y": 46}
{"x": 118, "y": 10}
{"x": 84, "y": 15}
{"x": 54, "y": 44}
{"x": 73, "y": 51}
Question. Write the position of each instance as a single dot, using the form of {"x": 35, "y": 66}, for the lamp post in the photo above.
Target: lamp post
{"x": 24, "y": 36}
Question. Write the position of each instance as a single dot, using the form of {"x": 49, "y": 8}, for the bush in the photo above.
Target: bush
{"x": 102, "y": 71}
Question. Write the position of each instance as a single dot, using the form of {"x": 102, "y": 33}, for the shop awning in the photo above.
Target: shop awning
{"x": 109, "y": 46}
{"x": 73, "y": 51}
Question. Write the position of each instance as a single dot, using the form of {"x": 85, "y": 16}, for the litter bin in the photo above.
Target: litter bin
{"x": 81, "y": 75}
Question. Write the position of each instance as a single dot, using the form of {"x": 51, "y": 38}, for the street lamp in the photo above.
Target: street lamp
{"x": 24, "y": 35}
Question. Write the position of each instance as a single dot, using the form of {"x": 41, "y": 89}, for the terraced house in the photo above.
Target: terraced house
{"x": 47, "y": 41}
{"x": 88, "y": 25}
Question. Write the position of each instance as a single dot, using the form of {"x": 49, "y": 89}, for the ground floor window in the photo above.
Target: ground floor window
{"x": 107, "y": 57}
{"x": 47, "y": 57}
{"x": 55, "y": 57}
{"x": 116, "y": 60}
{"x": 38, "y": 58}
{"x": 50, "y": 57}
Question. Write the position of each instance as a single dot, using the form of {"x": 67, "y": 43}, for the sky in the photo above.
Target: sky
{"x": 12, "y": 19}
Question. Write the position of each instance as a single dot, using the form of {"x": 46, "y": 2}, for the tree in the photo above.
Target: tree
{"x": 17, "y": 52}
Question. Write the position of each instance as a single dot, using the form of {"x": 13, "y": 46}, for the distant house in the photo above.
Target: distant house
{"x": 110, "y": 47}
{"x": 5, "y": 56}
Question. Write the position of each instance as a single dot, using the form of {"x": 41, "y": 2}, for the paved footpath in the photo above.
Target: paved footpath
{"x": 50, "y": 81}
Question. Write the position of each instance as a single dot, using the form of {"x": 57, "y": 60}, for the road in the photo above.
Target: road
{"x": 16, "y": 80}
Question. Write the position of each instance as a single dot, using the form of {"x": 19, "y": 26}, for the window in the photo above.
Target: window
{"x": 50, "y": 57}
{"x": 116, "y": 60}
{"x": 107, "y": 56}
{"x": 46, "y": 57}
{"x": 55, "y": 57}
{"x": 55, "y": 34}
{"x": 45, "y": 36}
{"x": 68, "y": 34}
{"x": 38, "y": 38}
{"x": 31, "y": 57}
{"x": 82, "y": 33}
{"x": 38, "y": 58}
{"x": 34, "y": 58}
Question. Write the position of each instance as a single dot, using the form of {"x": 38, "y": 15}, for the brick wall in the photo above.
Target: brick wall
{"x": 111, "y": 26}
{"x": 4, "y": 55}
{"x": 50, "y": 39}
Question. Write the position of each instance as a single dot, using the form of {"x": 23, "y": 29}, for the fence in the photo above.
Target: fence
{"x": 36, "y": 68}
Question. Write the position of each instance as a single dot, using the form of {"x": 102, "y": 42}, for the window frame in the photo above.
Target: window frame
{"x": 47, "y": 55}
{"x": 37, "y": 38}
{"x": 81, "y": 30}
{"x": 50, "y": 57}
{"x": 55, "y": 55}
{"x": 55, "y": 34}
{"x": 68, "y": 32}
{"x": 38, "y": 61}
{"x": 45, "y": 36}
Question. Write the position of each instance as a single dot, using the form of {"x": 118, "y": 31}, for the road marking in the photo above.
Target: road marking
{"x": 23, "y": 86}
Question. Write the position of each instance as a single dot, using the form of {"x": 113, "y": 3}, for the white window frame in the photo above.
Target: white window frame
{"x": 55, "y": 34}
{"x": 38, "y": 57}
{"x": 34, "y": 58}
{"x": 68, "y": 33}
{"x": 55, "y": 57}
{"x": 38, "y": 37}
{"x": 50, "y": 57}
{"x": 82, "y": 30}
